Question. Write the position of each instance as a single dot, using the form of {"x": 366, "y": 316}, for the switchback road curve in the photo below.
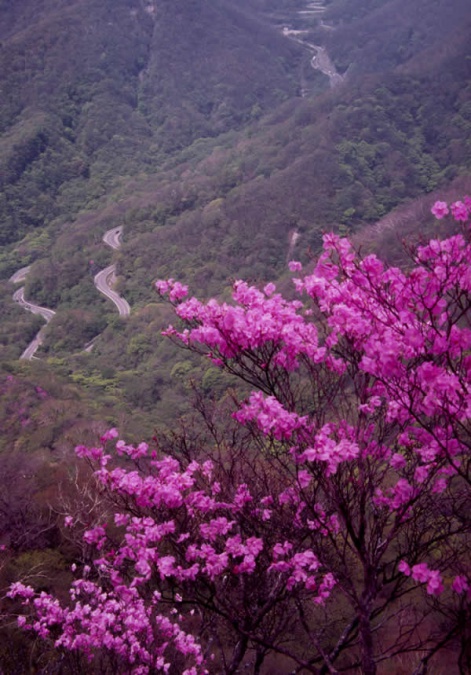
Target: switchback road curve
{"x": 47, "y": 314}
{"x": 105, "y": 279}
{"x": 104, "y": 282}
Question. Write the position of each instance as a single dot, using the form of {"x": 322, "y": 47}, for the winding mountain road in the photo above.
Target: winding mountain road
{"x": 106, "y": 279}
{"x": 113, "y": 237}
{"x": 45, "y": 312}
{"x": 320, "y": 59}
{"x": 20, "y": 275}
{"x": 104, "y": 282}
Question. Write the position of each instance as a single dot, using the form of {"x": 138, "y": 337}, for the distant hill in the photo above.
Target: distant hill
{"x": 184, "y": 122}
{"x": 227, "y": 206}
{"x": 205, "y": 132}
{"x": 213, "y": 65}
{"x": 374, "y": 36}
{"x": 92, "y": 89}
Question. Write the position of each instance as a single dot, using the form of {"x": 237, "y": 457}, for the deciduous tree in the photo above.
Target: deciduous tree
{"x": 336, "y": 532}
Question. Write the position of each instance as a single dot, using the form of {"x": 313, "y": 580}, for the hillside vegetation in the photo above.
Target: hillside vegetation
{"x": 93, "y": 90}
{"x": 183, "y": 121}
{"x": 205, "y": 132}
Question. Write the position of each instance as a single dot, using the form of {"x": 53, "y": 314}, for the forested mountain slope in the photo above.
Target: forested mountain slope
{"x": 380, "y": 35}
{"x": 94, "y": 89}
{"x": 201, "y": 128}
{"x": 213, "y": 66}
{"x": 184, "y": 122}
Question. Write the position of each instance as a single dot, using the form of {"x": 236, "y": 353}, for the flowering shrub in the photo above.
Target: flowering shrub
{"x": 352, "y": 490}
{"x": 178, "y": 529}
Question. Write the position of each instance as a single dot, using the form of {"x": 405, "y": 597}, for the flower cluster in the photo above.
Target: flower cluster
{"x": 423, "y": 575}
{"x": 259, "y": 319}
{"x": 160, "y": 550}
{"x": 461, "y": 210}
{"x": 394, "y": 348}
{"x": 119, "y": 621}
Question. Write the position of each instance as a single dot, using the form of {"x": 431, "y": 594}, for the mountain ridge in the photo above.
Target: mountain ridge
{"x": 226, "y": 203}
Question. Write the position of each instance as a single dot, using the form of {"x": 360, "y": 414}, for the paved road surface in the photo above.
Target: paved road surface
{"x": 20, "y": 275}
{"x": 19, "y": 297}
{"x": 104, "y": 281}
{"x": 321, "y": 61}
{"x": 47, "y": 314}
{"x": 32, "y": 348}
{"x": 113, "y": 237}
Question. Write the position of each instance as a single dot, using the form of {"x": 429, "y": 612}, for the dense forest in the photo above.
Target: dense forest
{"x": 207, "y": 132}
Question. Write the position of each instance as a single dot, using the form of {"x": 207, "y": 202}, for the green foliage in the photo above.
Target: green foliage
{"x": 82, "y": 106}
{"x": 187, "y": 128}
{"x": 215, "y": 383}
{"x": 41, "y": 412}
{"x": 219, "y": 70}
{"x": 17, "y": 327}
{"x": 71, "y": 330}
{"x": 379, "y": 35}
{"x": 34, "y": 564}
{"x": 145, "y": 124}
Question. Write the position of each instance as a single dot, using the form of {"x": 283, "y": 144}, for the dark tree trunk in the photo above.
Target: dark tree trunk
{"x": 368, "y": 665}
{"x": 238, "y": 655}
{"x": 258, "y": 662}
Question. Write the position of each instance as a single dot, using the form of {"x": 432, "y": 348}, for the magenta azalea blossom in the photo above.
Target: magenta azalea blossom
{"x": 440, "y": 210}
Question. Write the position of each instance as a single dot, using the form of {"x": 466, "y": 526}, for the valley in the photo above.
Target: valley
{"x": 213, "y": 143}
{"x": 104, "y": 282}
{"x": 325, "y": 156}
{"x": 298, "y": 24}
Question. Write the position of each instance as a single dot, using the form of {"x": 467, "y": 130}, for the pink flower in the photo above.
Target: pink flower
{"x": 459, "y": 211}
{"x": 421, "y": 572}
{"x": 397, "y": 461}
{"x": 434, "y": 584}
{"x": 121, "y": 519}
{"x": 247, "y": 566}
{"x": 270, "y": 415}
{"x": 143, "y": 568}
{"x": 280, "y": 550}
{"x": 178, "y": 292}
{"x": 215, "y": 528}
{"x": 439, "y": 486}
{"x": 162, "y": 286}
{"x": 460, "y": 584}
{"x": 404, "y": 568}
{"x": 166, "y": 566}
{"x": 242, "y": 496}
{"x": 440, "y": 210}
{"x": 109, "y": 435}
{"x": 402, "y": 493}
{"x": 421, "y": 473}
{"x": 20, "y": 589}
{"x": 294, "y": 266}
{"x": 254, "y": 545}
{"x": 304, "y": 478}
{"x": 96, "y": 536}
{"x": 432, "y": 578}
